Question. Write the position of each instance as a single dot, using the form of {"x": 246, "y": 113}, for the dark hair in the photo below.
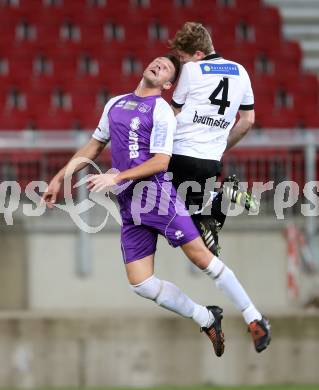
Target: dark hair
{"x": 177, "y": 65}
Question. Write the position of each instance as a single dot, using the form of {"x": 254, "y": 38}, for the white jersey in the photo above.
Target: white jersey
{"x": 210, "y": 92}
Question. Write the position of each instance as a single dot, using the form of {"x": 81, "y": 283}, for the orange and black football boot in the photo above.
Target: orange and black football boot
{"x": 261, "y": 333}
{"x": 214, "y": 332}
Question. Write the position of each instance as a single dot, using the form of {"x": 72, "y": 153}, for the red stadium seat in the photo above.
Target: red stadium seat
{"x": 248, "y": 6}
{"x": 58, "y": 120}
{"x": 288, "y": 52}
{"x": 167, "y": 8}
{"x": 48, "y": 35}
{"x": 24, "y": 6}
{"x": 267, "y": 36}
{"x": 9, "y": 16}
{"x": 268, "y": 17}
{"x": 39, "y": 101}
{"x": 224, "y": 39}
{"x": 26, "y": 166}
{"x": 20, "y": 69}
{"x": 244, "y": 57}
{"x": 308, "y": 118}
{"x": 140, "y": 33}
{"x": 280, "y": 119}
{"x": 107, "y": 52}
{"x": 83, "y": 100}
{"x": 264, "y": 85}
{"x": 90, "y": 120}
{"x": 84, "y": 84}
{"x": 15, "y": 119}
{"x": 43, "y": 84}
{"x": 306, "y": 89}
{"x": 7, "y": 36}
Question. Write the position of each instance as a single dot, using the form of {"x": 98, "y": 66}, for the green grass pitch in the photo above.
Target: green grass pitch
{"x": 264, "y": 387}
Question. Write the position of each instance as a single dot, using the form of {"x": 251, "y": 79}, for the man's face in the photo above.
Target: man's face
{"x": 185, "y": 57}
{"x": 159, "y": 72}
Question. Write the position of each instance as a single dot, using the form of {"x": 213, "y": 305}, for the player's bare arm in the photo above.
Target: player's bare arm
{"x": 158, "y": 163}
{"x": 90, "y": 151}
{"x": 241, "y": 128}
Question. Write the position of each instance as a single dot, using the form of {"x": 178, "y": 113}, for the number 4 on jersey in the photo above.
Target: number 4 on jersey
{"x": 223, "y": 103}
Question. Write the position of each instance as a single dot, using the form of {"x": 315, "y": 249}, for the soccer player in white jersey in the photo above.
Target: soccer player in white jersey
{"x": 210, "y": 92}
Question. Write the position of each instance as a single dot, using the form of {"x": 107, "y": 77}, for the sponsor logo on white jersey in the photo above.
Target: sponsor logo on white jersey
{"x": 209, "y": 121}
{"x": 208, "y": 68}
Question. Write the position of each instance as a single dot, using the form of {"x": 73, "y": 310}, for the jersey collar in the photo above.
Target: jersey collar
{"x": 213, "y": 56}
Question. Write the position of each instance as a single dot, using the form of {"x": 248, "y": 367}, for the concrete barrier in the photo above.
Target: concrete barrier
{"x": 53, "y": 283}
{"x": 13, "y": 266}
{"x": 92, "y": 349}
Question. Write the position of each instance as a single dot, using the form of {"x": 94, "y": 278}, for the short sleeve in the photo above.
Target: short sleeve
{"x": 102, "y": 132}
{"x": 164, "y": 127}
{"x": 247, "y": 102}
{"x": 182, "y": 88}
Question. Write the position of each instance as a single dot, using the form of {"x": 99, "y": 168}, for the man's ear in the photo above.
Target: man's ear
{"x": 198, "y": 55}
{"x": 168, "y": 85}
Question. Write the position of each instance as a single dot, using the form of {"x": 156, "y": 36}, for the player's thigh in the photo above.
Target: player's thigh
{"x": 197, "y": 253}
{"x": 181, "y": 231}
{"x": 138, "y": 244}
{"x": 137, "y": 241}
{"x": 140, "y": 270}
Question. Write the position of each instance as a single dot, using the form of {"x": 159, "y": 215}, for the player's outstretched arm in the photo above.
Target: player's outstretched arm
{"x": 158, "y": 163}
{"x": 90, "y": 151}
{"x": 241, "y": 128}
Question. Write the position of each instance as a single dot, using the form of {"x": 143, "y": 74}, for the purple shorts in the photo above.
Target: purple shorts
{"x": 168, "y": 217}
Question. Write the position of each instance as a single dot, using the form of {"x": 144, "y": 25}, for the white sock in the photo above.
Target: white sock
{"x": 226, "y": 281}
{"x": 202, "y": 316}
{"x": 251, "y": 314}
{"x": 169, "y": 296}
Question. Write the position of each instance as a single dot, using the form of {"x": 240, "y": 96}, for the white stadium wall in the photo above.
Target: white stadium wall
{"x": 259, "y": 260}
{"x": 83, "y": 331}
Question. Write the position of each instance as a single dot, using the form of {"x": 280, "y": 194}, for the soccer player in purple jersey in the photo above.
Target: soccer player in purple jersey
{"x": 141, "y": 126}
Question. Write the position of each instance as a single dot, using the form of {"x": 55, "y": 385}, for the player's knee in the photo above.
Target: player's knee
{"x": 199, "y": 255}
{"x": 201, "y": 259}
{"x": 149, "y": 288}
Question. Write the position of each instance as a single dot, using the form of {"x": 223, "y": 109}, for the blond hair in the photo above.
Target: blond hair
{"x": 192, "y": 37}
